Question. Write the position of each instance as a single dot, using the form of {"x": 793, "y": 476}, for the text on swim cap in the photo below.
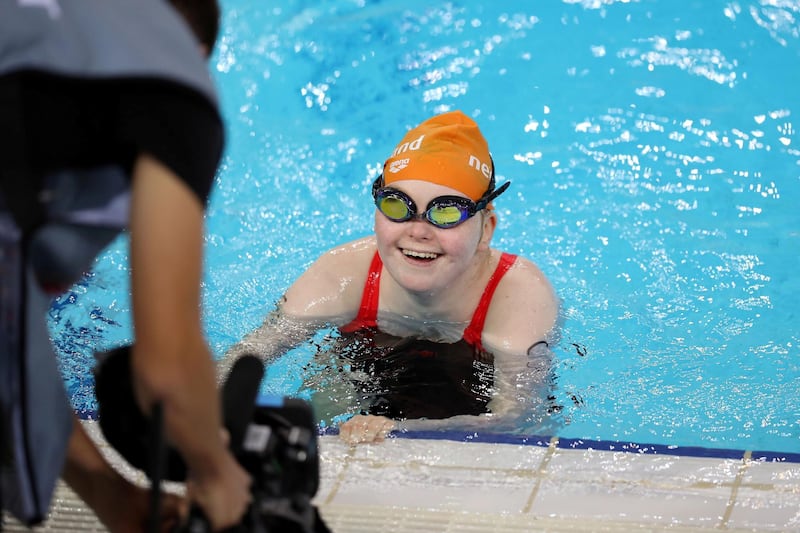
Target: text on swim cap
{"x": 474, "y": 162}
{"x": 485, "y": 169}
{"x": 411, "y": 145}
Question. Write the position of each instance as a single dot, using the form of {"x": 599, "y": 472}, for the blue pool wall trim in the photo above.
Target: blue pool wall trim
{"x": 572, "y": 444}
{"x": 604, "y": 445}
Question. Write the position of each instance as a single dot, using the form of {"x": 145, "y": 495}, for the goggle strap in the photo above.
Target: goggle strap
{"x": 487, "y": 199}
{"x": 377, "y": 184}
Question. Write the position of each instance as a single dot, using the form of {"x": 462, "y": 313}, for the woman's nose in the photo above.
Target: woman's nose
{"x": 419, "y": 227}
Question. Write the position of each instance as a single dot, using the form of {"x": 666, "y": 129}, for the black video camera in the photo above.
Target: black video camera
{"x": 275, "y": 441}
{"x": 279, "y": 451}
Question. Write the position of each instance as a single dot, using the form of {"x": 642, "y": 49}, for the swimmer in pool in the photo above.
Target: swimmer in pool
{"x": 452, "y": 332}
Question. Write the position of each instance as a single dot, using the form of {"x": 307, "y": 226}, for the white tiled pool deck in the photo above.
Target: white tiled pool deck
{"x": 422, "y": 485}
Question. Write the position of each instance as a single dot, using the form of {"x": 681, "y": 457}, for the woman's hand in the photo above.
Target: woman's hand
{"x": 366, "y": 428}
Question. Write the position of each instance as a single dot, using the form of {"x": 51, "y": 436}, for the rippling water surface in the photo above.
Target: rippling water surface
{"x": 655, "y": 167}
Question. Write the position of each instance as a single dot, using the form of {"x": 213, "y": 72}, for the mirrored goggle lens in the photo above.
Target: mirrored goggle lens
{"x": 394, "y": 208}
{"x": 447, "y": 216}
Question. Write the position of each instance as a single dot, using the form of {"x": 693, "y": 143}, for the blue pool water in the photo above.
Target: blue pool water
{"x": 655, "y": 165}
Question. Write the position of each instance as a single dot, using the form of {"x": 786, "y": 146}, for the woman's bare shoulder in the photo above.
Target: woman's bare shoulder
{"x": 524, "y": 308}
{"x": 332, "y": 285}
{"x": 526, "y": 270}
{"x": 359, "y": 250}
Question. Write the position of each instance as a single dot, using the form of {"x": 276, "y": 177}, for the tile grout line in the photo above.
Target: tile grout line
{"x": 737, "y": 482}
{"x": 340, "y": 477}
{"x": 540, "y": 473}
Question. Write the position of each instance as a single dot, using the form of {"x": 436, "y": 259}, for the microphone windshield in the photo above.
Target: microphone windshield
{"x": 239, "y": 395}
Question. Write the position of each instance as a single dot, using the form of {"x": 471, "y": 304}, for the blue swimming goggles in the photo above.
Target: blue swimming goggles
{"x": 443, "y": 211}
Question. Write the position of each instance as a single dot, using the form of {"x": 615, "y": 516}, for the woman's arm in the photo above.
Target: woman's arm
{"x": 278, "y": 334}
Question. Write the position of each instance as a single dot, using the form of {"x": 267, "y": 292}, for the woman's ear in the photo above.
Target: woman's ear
{"x": 489, "y": 224}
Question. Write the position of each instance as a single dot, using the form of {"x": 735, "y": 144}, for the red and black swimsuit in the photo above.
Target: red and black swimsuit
{"x": 415, "y": 378}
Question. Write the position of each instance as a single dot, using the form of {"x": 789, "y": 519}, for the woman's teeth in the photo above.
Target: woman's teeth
{"x": 420, "y": 255}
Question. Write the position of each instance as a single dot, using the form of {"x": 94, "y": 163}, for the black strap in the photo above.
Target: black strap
{"x": 158, "y": 456}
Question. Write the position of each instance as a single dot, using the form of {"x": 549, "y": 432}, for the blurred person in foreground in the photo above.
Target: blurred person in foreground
{"x": 109, "y": 120}
{"x": 437, "y": 329}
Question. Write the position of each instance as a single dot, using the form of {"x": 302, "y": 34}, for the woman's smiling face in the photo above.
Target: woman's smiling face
{"x": 421, "y": 257}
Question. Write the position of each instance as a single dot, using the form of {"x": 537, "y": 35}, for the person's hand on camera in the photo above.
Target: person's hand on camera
{"x": 222, "y": 492}
{"x": 366, "y": 428}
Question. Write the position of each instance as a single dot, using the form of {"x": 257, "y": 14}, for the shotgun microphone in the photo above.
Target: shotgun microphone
{"x": 239, "y": 398}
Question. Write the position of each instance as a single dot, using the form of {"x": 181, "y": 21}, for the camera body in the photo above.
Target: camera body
{"x": 279, "y": 451}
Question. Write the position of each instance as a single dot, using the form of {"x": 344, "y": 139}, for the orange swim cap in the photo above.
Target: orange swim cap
{"x": 447, "y": 149}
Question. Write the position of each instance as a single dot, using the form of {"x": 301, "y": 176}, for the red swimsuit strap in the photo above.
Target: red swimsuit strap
{"x": 368, "y": 311}
{"x": 474, "y": 331}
